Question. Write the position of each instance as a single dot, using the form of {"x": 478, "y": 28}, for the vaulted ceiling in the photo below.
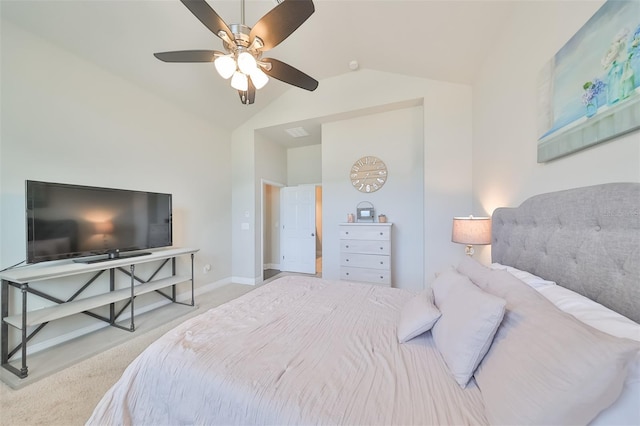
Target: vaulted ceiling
{"x": 443, "y": 40}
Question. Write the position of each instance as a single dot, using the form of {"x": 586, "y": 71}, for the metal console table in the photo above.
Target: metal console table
{"x": 20, "y": 279}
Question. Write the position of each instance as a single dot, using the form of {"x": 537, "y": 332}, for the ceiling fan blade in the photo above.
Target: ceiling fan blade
{"x": 288, "y": 74}
{"x": 188, "y": 56}
{"x": 281, "y": 21}
{"x": 208, "y": 16}
{"x": 248, "y": 97}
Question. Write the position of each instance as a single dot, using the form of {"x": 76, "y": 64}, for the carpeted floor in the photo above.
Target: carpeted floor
{"x": 68, "y": 397}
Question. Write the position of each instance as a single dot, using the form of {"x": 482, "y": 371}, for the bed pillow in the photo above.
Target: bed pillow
{"x": 469, "y": 320}
{"x": 418, "y": 315}
{"x": 591, "y": 312}
{"x": 545, "y": 366}
{"x": 475, "y": 271}
{"x": 626, "y": 409}
{"x": 524, "y": 276}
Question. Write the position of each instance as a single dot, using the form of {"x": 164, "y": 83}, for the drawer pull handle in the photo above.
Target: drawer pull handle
{"x": 381, "y": 277}
{"x": 381, "y": 248}
{"x": 381, "y": 262}
{"x": 347, "y": 260}
{"x": 347, "y": 246}
{"x": 381, "y": 233}
{"x": 347, "y": 273}
{"x": 347, "y": 232}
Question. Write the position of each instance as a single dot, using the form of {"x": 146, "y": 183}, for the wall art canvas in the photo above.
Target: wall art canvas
{"x": 589, "y": 92}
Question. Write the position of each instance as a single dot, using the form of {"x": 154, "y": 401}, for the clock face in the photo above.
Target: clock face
{"x": 368, "y": 174}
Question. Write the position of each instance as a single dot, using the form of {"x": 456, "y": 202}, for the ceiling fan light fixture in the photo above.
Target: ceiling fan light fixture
{"x": 259, "y": 78}
{"x": 225, "y": 65}
{"x": 239, "y": 81}
{"x": 247, "y": 63}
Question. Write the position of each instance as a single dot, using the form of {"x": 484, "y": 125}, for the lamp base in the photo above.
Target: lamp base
{"x": 469, "y": 250}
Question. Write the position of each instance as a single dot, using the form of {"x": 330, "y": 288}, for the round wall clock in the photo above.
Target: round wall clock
{"x": 368, "y": 174}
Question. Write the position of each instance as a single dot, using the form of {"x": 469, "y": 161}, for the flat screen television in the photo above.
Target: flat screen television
{"x": 73, "y": 221}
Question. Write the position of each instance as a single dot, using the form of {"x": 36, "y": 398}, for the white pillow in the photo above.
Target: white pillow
{"x": 479, "y": 274}
{"x": 545, "y": 366}
{"x": 626, "y": 409}
{"x": 470, "y": 318}
{"x": 418, "y": 315}
{"x": 591, "y": 313}
{"x": 528, "y": 278}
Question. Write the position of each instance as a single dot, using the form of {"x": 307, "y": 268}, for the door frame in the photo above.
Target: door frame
{"x": 264, "y": 182}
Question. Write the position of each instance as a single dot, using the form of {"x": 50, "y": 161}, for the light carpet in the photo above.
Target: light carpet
{"x": 69, "y": 396}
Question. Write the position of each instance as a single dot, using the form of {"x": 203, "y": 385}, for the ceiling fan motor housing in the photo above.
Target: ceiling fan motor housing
{"x": 241, "y": 34}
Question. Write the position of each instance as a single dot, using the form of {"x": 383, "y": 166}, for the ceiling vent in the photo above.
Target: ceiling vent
{"x": 297, "y": 132}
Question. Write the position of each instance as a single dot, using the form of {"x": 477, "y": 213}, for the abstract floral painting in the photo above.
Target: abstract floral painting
{"x": 590, "y": 90}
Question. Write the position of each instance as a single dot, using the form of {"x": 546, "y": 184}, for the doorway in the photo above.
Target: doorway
{"x": 273, "y": 221}
{"x": 270, "y": 229}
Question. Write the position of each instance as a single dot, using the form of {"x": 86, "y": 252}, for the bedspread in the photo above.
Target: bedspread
{"x": 295, "y": 351}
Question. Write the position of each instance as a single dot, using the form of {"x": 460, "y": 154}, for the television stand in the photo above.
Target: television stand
{"x": 24, "y": 320}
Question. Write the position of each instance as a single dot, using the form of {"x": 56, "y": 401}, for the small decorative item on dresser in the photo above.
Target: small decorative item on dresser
{"x": 365, "y": 211}
{"x": 382, "y": 218}
{"x": 350, "y": 218}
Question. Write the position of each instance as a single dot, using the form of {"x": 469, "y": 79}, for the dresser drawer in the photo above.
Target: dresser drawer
{"x": 372, "y": 276}
{"x": 365, "y": 246}
{"x": 365, "y": 232}
{"x": 365, "y": 252}
{"x": 370, "y": 261}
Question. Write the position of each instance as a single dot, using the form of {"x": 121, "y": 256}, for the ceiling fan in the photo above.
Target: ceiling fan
{"x": 242, "y": 60}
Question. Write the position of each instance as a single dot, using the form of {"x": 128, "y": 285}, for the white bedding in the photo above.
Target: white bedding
{"x": 295, "y": 351}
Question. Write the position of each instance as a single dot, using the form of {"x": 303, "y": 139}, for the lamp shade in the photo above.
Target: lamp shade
{"x": 246, "y": 63}
{"x": 239, "y": 81}
{"x": 471, "y": 230}
{"x": 104, "y": 227}
{"x": 259, "y": 78}
{"x": 225, "y": 65}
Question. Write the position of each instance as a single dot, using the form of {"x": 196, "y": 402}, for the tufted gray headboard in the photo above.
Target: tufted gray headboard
{"x": 585, "y": 239}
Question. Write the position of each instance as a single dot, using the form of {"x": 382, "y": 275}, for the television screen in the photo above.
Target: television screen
{"x": 70, "y": 221}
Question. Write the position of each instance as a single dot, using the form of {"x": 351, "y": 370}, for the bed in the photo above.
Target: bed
{"x": 483, "y": 345}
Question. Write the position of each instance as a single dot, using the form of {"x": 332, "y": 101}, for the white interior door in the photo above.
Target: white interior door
{"x": 298, "y": 229}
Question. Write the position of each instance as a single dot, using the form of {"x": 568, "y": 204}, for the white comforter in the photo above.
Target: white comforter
{"x": 296, "y": 351}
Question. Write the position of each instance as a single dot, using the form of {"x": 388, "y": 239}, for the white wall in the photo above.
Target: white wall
{"x": 396, "y": 137}
{"x": 505, "y": 171}
{"x": 446, "y": 135}
{"x": 271, "y": 160}
{"x": 65, "y": 120}
{"x": 304, "y": 165}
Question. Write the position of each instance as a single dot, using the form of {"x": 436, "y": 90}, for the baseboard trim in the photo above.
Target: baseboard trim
{"x": 246, "y": 281}
{"x": 272, "y": 266}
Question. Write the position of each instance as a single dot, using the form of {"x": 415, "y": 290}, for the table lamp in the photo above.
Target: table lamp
{"x": 471, "y": 230}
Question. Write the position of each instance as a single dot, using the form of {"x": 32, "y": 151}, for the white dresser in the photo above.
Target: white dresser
{"x": 365, "y": 252}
